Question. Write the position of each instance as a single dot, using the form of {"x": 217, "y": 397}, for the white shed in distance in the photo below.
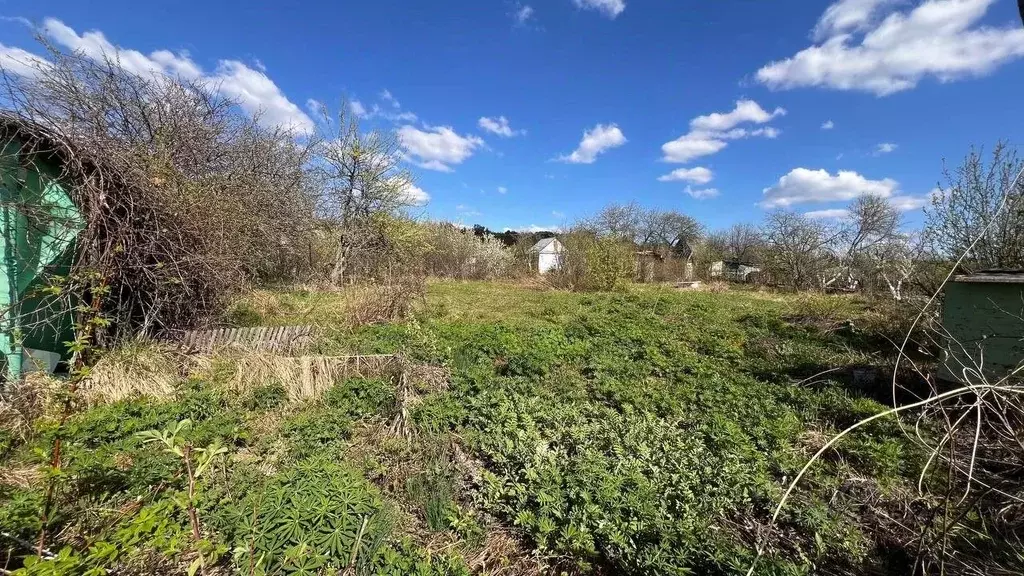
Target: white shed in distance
{"x": 547, "y": 254}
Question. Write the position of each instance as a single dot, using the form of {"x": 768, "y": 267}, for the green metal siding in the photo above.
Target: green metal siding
{"x": 39, "y": 223}
{"x": 985, "y": 322}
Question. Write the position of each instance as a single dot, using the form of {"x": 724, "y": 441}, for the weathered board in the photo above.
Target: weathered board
{"x": 276, "y": 339}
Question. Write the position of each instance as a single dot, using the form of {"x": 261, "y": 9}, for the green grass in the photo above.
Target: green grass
{"x": 646, "y": 431}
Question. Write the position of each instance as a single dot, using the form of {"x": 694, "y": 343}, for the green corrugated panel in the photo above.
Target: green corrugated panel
{"x": 39, "y": 224}
{"x": 985, "y": 322}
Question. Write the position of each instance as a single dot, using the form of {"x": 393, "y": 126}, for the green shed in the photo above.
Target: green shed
{"x": 39, "y": 223}
{"x": 983, "y": 317}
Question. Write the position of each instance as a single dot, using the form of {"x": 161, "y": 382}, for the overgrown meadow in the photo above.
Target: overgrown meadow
{"x": 649, "y": 431}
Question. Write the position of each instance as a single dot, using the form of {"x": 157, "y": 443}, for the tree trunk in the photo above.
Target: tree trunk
{"x": 340, "y": 263}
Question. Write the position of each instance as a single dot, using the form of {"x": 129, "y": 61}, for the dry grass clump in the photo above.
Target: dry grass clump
{"x": 392, "y": 301}
{"x": 134, "y": 370}
{"x": 23, "y": 402}
{"x": 303, "y": 377}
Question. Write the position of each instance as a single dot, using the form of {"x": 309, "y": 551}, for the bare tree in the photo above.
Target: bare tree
{"x": 666, "y": 227}
{"x": 621, "y": 221}
{"x": 360, "y": 176}
{"x": 743, "y": 242}
{"x": 870, "y": 233}
{"x": 980, "y": 212}
{"x": 797, "y": 249}
{"x": 644, "y": 227}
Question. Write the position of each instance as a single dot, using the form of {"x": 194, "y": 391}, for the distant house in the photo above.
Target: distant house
{"x": 546, "y": 255}
{"x": 732, "y": 270}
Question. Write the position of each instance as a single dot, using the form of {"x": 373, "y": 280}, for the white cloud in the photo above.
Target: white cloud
{"x": 557, "y": 214}
{"x": 697, "y": 175}
{"x": 387, "y": 97}
{"x": 315, "y": 107}
{"x": 21, "y": 62}
{"x": 709, "y": 134}
{"x": 847, "y": 16}
{"x": 502, "y": 190}
{"x": 702, "y": 194}
{"x": 745, "y": 111}
{"x": 499, "y": 126}
{"x": 804, "y": 185}
{"x": 416, "y": 196}
{"x": 254, "y": 91}
{"x": 595, "y": 141}
{"x": 908, "y": 203}
{"x": 437, "y": 148}
{"x": 357, "y": 109}
{"x": 523, "y": 14}
{"x": 533, "y": 228}
{"x": 860, "y": 48}
{"x": 690, "y": 146}
{"x": 829, "y": 214}
{"x": 467, "y": 211}
{"x": 610, "y": 8}
{"x": 828, "y": 125}
{"x": 885, "y": 148}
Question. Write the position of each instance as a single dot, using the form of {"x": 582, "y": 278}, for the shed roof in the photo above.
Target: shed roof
{"x": 544, "y": 243}
{"x": 993, "y": 277}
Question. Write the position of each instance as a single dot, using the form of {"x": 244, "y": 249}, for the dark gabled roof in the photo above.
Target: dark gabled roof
{"x": 992, "y": 277}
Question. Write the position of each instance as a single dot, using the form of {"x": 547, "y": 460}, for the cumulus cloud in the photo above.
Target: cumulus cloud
{"x": 253, "y": 90}
{"x": 437, "y": 147}
{"x": 802, "y": 185}
{"x": 595, "y": 141}
{"x": 502, "y": 190}
{"x": 499, "y": 126}
{"x": 609, "y": 8}
{"x": 697, "y": 175}
{"x": 416, "y": 196}
{"x": 709, "y": 133}
{"x": 829, "y": 214}
{"x": 885, "y": 148}
{"x": 357, "y": 109}
{"x": 828, "y": 125}
{"x": 701, "y": 194}
{"x": 877, "y": 46}
{"x": 745, "y": 111}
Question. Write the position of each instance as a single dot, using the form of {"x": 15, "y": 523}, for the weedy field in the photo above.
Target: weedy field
{"x": 518, "y": 431}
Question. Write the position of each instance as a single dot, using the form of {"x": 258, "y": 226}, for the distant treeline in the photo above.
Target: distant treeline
{"x": 511, "y": 237}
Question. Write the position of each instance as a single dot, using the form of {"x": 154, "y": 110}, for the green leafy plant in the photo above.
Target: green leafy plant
{"x": 195, "y": 461}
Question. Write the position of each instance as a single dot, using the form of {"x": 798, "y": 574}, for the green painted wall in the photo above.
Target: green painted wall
{"x": 39, "y": 223}
{"x": 985, "y": 321}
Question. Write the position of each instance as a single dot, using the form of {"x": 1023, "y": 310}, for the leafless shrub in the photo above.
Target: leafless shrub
{"x": 590, "y": 262}
{"x": 183, "y": 198}
{"x": 451, "y": 251}
{"x": 388, "y": 302}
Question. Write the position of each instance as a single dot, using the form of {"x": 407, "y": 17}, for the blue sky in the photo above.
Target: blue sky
{"x": 534, "y": 113}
